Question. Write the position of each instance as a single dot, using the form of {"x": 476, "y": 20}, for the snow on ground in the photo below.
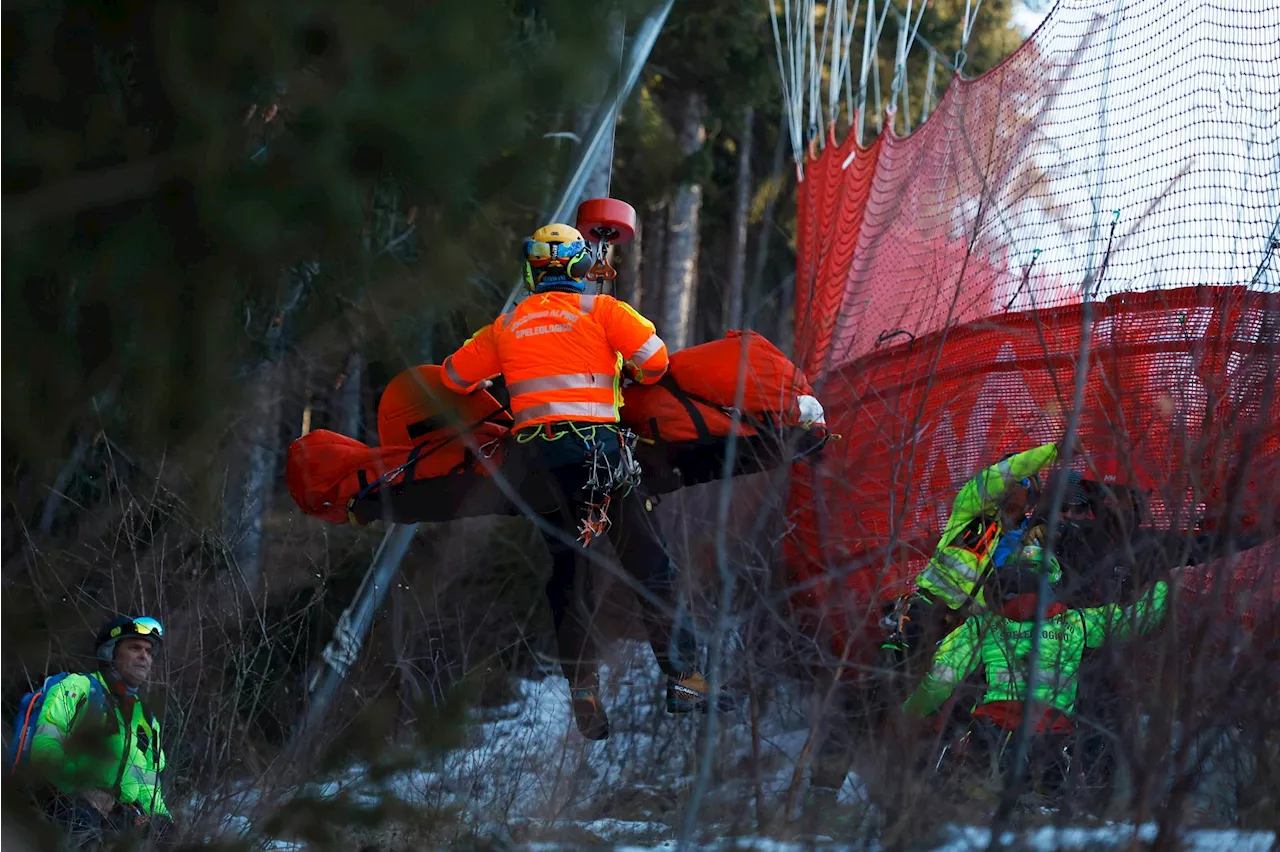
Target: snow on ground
{"x": 527, "y": 777}
{"x": 968, "y": 838}
{"x": 526, "y": 772}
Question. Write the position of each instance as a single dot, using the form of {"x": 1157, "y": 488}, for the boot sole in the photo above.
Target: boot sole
{"x": 597, "y": 729}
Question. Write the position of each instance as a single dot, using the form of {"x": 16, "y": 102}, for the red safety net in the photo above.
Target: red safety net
{"x": 1123, "y": 156}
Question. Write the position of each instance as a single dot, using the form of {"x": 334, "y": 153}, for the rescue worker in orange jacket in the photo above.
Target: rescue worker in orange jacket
{"x": 562, "y": 353}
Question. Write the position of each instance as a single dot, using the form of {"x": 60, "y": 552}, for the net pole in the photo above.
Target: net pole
{"x": 645, "y": 38}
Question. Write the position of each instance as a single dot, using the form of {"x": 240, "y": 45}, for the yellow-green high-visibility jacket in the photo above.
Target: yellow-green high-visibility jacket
{"x": 1002, "y": 647}
{"x": 964, "y": 551}
{"x": 76, "y": 749}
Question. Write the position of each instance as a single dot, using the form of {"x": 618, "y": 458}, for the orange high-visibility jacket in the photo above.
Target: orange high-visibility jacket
{"x": 562, "y": 356}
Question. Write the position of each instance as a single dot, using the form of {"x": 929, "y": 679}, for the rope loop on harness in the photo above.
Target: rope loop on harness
{"x": 604, "y": 479}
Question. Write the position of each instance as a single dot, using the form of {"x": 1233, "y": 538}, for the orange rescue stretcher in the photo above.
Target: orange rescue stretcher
{"x": 439, "y": 450}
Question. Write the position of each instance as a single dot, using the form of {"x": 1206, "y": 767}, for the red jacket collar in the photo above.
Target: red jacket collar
{"x": 1023, "y": 608}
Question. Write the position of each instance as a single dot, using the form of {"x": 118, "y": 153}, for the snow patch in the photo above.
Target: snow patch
{"x": 968, "y": 838}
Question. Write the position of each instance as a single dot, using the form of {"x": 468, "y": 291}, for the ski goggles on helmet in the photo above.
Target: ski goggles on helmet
{"x": 1032, "y": 484}
{"x": 1028, "y": 564}
{"x": 539, "y": 253}
{"x": 143, "y": 626}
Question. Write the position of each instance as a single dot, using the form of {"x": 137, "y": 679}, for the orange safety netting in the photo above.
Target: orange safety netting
{"x": 1124, "y": 155}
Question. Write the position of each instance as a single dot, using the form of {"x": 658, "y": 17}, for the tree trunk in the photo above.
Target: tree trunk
{"x": 630, "y": 285}
{"x": 349, "y": 399}
{"x": 246, "y": 510}
{"x": 765, "y": 236}
{"x": 258, "y": 483}
{"x": 407, "y": 687}
{"x": 738, "y": 228}
{"x": 785, "y": 335}
{"x": 681, "y": 277}
{"x": 653, "y": 263}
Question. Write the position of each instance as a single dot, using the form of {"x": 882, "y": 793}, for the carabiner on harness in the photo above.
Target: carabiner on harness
{"x": 605, "y": 477}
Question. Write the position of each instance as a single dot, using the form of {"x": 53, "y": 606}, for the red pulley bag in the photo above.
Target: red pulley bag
{"x": 693, "y": 401}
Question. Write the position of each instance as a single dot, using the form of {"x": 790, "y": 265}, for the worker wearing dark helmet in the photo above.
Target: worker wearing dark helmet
{"x": 993, "y": 502}
{"x": 89, "y": 741}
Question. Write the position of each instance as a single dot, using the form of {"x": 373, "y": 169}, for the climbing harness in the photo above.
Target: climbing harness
{"x": 607, "y": 476}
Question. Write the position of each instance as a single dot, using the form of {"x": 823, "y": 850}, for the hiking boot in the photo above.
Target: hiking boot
{"x": 691, "y": 692}
{"x": 588, "y": 712}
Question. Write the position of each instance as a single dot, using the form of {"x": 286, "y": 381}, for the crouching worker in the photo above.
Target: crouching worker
{"x": 993, "y": 503}
{"x": 88, "y": 745}
{"x": 999, "y": 641}
{"x": 562, "y": 353}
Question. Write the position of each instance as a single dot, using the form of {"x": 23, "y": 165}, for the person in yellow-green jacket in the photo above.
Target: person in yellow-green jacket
{"x": 999, "y": 640}
{"x": 993, "y": 502}
{"x": 92, "y": 740}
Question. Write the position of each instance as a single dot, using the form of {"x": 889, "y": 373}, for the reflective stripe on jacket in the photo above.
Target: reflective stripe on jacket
{"x": 562, "y": 355}
{"x": 956, "y": 569}
{"x": 126, "y": 760}
{"x": 1002, "y": 647}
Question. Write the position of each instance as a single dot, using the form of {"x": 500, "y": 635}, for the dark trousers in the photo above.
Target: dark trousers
{"x": 1048, "y": 755}
{"x": 552, "y": 475}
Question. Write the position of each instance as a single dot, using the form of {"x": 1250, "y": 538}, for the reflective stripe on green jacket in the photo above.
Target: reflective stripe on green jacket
{"x": 76, "y": 749}
{"x": 1002, "y": 647}
{"x": 955, "y": 570}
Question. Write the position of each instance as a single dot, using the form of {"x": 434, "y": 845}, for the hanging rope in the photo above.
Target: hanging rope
{"x": 971, "y": 8}
{"x": 870, "y": 40}
{"x": 929, "y": 82}
{"x": 906, "y": 38}
{"x": 807, "y": 59}
{"x": 842, "y": 65}
{"x": 945, "y": 63}
{"x": 899, "y": 60}
{"x": 815, "y": 64}
{"x": 789, "y": 49}
{"x": 617, "y": 96}
{"x": 835, "y": 23}
{"x": 849, "y": 88}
